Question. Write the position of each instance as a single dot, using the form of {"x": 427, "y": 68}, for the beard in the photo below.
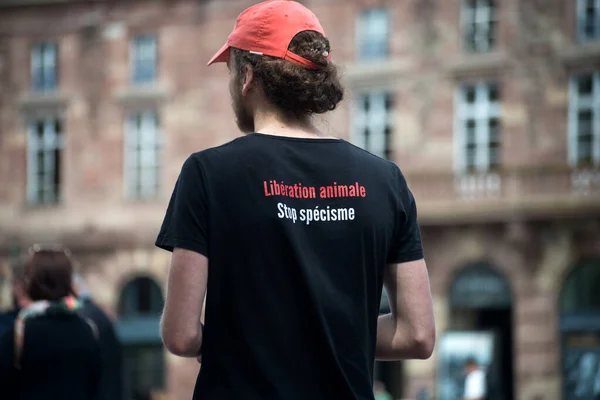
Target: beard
{"x": 243, "y": 117}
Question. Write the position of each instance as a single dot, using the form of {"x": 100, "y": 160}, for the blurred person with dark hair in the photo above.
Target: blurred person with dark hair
{"x": 50, "y": 352}
{"x": 111, "y": 384}
{"x": 475, "y": 381}
{"x": 294, "y": 233}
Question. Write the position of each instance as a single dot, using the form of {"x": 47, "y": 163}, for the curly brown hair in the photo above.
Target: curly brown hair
{"x": 291, "y": 87}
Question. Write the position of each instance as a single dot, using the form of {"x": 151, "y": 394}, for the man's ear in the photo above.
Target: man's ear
{"x": 247, "y": 81}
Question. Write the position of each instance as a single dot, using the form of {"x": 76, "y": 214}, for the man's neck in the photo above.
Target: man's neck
{"x": 272, "y": 123}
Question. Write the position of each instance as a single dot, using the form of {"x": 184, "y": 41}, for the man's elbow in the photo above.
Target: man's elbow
{"x": 183, "y": 344}
{"x": 424, "y": 343}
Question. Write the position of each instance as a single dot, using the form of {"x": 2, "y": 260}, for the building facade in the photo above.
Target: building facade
{"x": 491, "y": 109}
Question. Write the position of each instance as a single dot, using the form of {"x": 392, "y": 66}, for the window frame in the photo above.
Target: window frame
{"x": 582, "y": 37}
{"x": 43, "y": 80}
{"x": 134, "y": 148}
{"x": 575, "y": 106}
{"x": 383, "y": 119}
{"x": 365, "y": 23}
{"x": 483, "y": 16}
{"x": 135, "y": 77}
{"x": 52, "y": 141}
{"x": 482, "y": 113}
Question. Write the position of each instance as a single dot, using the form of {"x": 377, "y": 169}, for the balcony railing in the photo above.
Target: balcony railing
{"x": 500, "y": 194}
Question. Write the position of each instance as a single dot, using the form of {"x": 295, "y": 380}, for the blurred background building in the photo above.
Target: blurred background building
{"x": 491, "y": 108}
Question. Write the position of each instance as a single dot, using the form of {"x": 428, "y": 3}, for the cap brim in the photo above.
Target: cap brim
{"x": 221, "y": 56}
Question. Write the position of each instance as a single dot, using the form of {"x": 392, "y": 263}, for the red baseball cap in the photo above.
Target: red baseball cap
{"x": 268, "y": 28}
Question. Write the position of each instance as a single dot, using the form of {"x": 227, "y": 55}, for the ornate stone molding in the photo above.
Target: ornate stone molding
{"x": 142, "y": 96}
{"x": 34, "y": 104}
{"x": 585, "y": 54}
{"x": 478, "y": 65}
{"x": 383, "y": 72}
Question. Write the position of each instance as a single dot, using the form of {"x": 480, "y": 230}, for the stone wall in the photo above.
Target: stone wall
{"x": 112, "y": 237}
{"x": 536, "y": 262}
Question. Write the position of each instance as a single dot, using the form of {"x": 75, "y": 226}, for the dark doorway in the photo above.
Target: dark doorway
{"x": 481, "y": 302}
{"x": 500, "y": 373}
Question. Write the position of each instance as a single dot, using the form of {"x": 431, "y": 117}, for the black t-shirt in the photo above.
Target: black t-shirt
{"x": 297, "y": 233}
{"x": 60, "y": 359}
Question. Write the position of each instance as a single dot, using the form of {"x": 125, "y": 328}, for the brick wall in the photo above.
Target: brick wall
{"x": 113, "y": 236}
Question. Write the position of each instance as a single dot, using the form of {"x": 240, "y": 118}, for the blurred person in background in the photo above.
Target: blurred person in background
{"x": 294, "y": 233}
{"x": 50, "y": 352}
{"x": 18, "y": 294}
{"x": 111, "y": 384}
{"x": 380, "y": 391}
{"x": 6, "y": 297}
{"x": 7, "y": 319}
{"x": 475, "y": 381}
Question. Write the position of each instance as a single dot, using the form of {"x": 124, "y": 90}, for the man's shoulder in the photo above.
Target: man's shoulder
{"x": 242, "y": 149}
{"x": 231, "y": 146}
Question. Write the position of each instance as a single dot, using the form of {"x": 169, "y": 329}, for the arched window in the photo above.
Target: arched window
{"x": 140, "y": 307}
{"x": 141, "y": 297}
{"x": 581, "y": 290}
{"x": 580, "y": 331}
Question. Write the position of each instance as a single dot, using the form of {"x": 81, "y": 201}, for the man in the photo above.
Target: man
{"x": 293, "y": 232}
{"x": 475, "y": 382}
{"x": 111, "y": 383}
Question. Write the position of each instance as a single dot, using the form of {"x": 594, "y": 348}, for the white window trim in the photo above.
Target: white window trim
{"x": 481, "y": 112}
{"x": 132, "y": 165}
{"x": 41, "y": 56}
{"x": 482, "y": 19}
{"x": 51, "y": 141}
{"x": 133, "y": 57}
{"x": 363, "y": 28}
{"x": 377, "y": 121}
{"x": 581, "y": 36}
{"x": 575, "y": 104}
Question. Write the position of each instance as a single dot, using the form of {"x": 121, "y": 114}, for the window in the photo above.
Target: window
{"x": 141, "y": 297}
{"x": 479, "y": 25}
{"x": 373, "y": 122}
{"x": 580, "y": 331}
{"x": 45, "y": 144}
{"x": 479, "y": 127}
{"x": 588, "y": 20}
{"x": 372, "y": 34}
{"x": 143, "y": 59}
{"x": 580, "y": 291}
{"x": 142, "y": 155}
{"x": 584, "y": 120}
{"x": 44, "y": 67}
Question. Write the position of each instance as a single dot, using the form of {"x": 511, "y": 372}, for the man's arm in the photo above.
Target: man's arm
{"x": 181, "y": 323}
{"x": 409, "y": 331}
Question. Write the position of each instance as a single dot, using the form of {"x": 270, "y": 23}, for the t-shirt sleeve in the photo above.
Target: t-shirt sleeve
{"x": 406, "y": 242}
{"x": 186, "y": 221}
